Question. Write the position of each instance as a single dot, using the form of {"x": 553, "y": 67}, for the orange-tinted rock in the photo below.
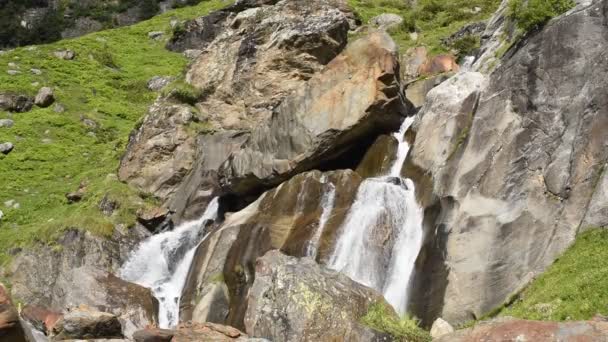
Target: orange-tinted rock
{"x": 10, "y": 327}
{"x": 521, "y": 330}
{"x": 206, "y": 332}
{"x": 41, "y": 318}
{"x": 438, "y": 64}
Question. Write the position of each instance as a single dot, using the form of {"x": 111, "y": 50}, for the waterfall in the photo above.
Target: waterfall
{"x": 162, "y": 261}
{"x": 327, "y": 205}
{"x": 382, "y": 233}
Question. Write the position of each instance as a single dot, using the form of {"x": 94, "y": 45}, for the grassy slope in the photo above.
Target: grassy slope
{"x": 433, "y": 20}
{"x": 575, "y": 287}
{"x": 38, "y": 174}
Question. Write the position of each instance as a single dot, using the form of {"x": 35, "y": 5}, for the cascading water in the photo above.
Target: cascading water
{"x": 162, "y": 262}
{"x": 382, "y": 233}
{"x": 327, "y": 205}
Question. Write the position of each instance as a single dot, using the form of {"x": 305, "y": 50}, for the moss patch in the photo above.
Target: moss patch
{"x": 381, "y": 318}
{"x": 104, "y": 94}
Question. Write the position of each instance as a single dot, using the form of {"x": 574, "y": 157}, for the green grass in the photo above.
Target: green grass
{"x": 575, "y": 287}
{"x": 55, "y": 152}
{"x": 532, "y": 14}
{"x": 382, "y": 318}
{"x": 433, "y": 20}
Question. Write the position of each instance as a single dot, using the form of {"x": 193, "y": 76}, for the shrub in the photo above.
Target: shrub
{"x": 466, "y": 46}
{"x": 533, "y": 14}
{"x": 381, "y": 318}
{"x": 105, "y": 57}
{"x": 183, "y": 92}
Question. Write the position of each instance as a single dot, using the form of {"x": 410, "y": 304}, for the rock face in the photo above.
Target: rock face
{"x": 520, "y": 330}
{"x": 15, "y": 103}
{"x": 354, "y": 98}
{"x": 296, "y": 299}
{"x": 514, "y": 164}
{"x": 300, "y": 217}
{"x": 81, "y": 273}
{"x": 86, "y": 324}
{"x": 10, "y": 326}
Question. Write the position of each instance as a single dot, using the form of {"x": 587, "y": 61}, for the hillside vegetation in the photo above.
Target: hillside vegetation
{"x": 104, "y": 94}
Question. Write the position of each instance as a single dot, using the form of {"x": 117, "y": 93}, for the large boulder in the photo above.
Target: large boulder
{"x": 82, "y": 323}
{"x": 300, "y": 217}
{"x": 10, "y": 326}
{"x": 296, "y": 299}
{"x": 15, "y": 102}
{"x": 45, "y": 97}
{"x": 354, "y": 98}
{"x": 81, "y": 273}
{"x": 515, "y": 165}
{"x": 521, "y": 330}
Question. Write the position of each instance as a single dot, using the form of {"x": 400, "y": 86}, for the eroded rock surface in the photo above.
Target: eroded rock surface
{"x": 514, "y": 161}
{"x": 10, "y": 326}
{"x": 296, "y": 299}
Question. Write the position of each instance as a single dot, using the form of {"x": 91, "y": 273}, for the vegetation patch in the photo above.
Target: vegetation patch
{"x": 103, "y": 95}
{"x": 430, "y": 20}
{"x": 575, "y": 287}
{"x": 533, "y": 14}
{"x": 382, "y": 318}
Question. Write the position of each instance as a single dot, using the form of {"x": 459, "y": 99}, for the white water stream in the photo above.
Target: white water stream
{"x": 162, "y": 262}
{"x": 382, "y": 233}
{"x": 327, "y": 205}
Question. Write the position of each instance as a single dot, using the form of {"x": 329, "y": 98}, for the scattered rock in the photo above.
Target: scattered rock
{"x": 67, "y": 55}
{"x": 10, "y": 326}
{"x": 153, "y": 335}
{"x": 13, "y": 72}
{"x": 41, "y": 318}
{"x": 15, "y": 102}
{"x": 155, "y": 219}
{"x": 12, "y": 204}
{"x": 156, "y": 35}
{"x": 82, "y": 323}
{"x": 157, "y": 83}
{"x": 45, "y": 97}
{"x": 90, "y": 123}
{"x": 59, "y": 108}
{"x": 13, "y": 65}
{"x": 1, "y": 215}
{"x": 440, "y": 328}
{"x": 107, "y": 206}
{"x": 509, "y": 329}
{"x": 310, "y": 300}
{"x": 8, "y": 123}
{"x": 36, "y": 71}
{"x": 192, "y": 53}
{"x": 386, "y": 21}
{"x": 77, "y": 195}
{"x": 6, "y": 148}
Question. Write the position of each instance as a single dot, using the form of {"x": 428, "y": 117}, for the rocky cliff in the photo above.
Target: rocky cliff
{"x": 454, "y": 185}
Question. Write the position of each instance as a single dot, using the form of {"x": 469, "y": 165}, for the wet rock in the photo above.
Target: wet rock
{"x": 509, "y": 151}
{"x": 15, "y": 102}
{"x": 441, "y": 328}
{"x": 521, "y": 330}
{"x": 41, "y": 318}
{"x": 310, "y": 300}
{"x": 86, "y": 324}
{"x": 386, "y": 21}
{"x": 8, "y": 123}
{"x": 155, "y": 219}
{"x": 288, "y": 218}
{"x": 45, "y": 97}
{"x": 81, "y": 273}
{"x": 67, "y": 55}
{"x": 379, "y": 157}
{"x": 6, "y": 148}
{"x": 157, "y": 83}
{"x": 321, "y": 121}
{"x": 10, "y": 326}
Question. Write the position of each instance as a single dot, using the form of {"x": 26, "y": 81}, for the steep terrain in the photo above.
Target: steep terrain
{"x": 310, "y": 170}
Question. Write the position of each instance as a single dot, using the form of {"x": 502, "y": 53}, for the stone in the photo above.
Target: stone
{"x": 107, "y": 205}
{"x": 386, "y": 21}
{"x": 416, "y": 91}
{"x": 13, "y": 65}
{"x": 1, "y": 215}
{"x": 514, "y": 165}
{"x": 208, "y": 332}
{"x": 86, "y": 324}
{"x": 45, "y": 97}
{"x": 8, "y": 123}
{"x": 41, "y": 318}
{"x": 81, "y": 272}
{"x": 520, "y": 330}
{"x": 58, "y": 108}
{"x": 10, "y": 325}
{"x": 13, "y": 72}
{"x": 310, "y": 300}
{"x": 155, "y": 219}
{"x": 157, "y": 83}
{"x": 282, "y": 218}
{"x": 156, "y": 35}
{"x": 6, "y": 148}
{"x": 321, "y": 121}
{"x": 67, "y": 55}
{"x": 74, "y": 197}
{"x": 153, "y": 335}
{"x": 192, "y": 54}
{"x": 441, "y": 328}
{"x": 15, "y": 102}
{"x": 438, "y": 65}
{"x": 36, "y": 71}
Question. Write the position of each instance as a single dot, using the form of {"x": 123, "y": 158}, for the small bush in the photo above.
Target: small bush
{"x": 533, "y": 14}
{"x": 466, "y": 46}
{"x": 183, "y": 92}
{"x": 381, "y": 318}
{"x": 105, "y": 57}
